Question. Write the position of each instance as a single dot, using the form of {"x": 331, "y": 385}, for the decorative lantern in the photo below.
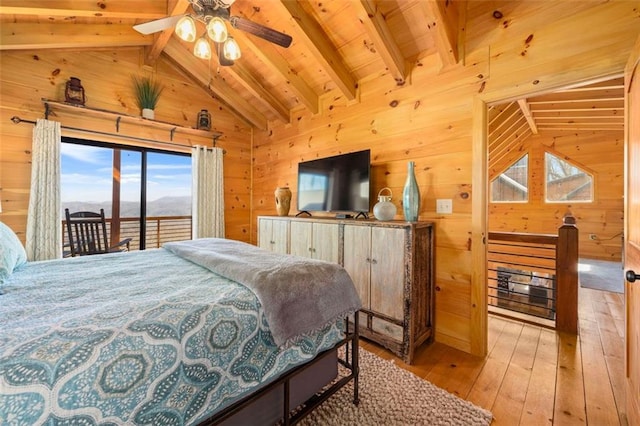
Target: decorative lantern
{"x": 74, "y": 92}
{"x": 384, "y": 208}
{"x": 204, "y": 120}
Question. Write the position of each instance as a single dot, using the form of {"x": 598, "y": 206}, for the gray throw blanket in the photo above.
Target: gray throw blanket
{"x": 298, "y": 295}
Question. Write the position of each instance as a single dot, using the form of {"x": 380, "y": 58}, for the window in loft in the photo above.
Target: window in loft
{"x": 566, "y": 182}
{"x": 512, "y": 185}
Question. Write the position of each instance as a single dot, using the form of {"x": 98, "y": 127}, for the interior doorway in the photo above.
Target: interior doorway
{"x": 551, "y": 155}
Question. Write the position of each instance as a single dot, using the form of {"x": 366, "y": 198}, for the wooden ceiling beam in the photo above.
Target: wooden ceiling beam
{"x": 133, "y": 9}
{"x": 52, "y": 36}
{"x": 275, "y": 63}
{"x": 526, "y": 111}
{"x": 377, "y": 28}
{"x": 200, "y": 73}
{"x": 443, "y": 26}
{"x": 262, "y": 95}
{"x": 500, "y": 113}
{"x": 322, "y": 48}
{"x": 161, "y": 40}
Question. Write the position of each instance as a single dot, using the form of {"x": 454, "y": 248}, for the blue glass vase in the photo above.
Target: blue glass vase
{"x": 411, "y": 195}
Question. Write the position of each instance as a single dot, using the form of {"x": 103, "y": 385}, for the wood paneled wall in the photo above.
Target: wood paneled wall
{"x": 27, "y": 77}
{"x": 430, "y": 121}
{"x": 600, "y": 153}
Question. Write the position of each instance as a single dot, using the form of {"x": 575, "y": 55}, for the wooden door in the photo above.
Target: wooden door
{"x": 301, "y": 238}
{"x": 325, "y": 242}
{"x": 387, "y": 271}
{"x": 632, "y": 235}
{"x": 357, "y": 243}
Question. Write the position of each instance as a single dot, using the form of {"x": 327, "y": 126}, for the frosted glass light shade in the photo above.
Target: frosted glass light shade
{"x": 217, "y": 30}
{"x": 231, "y": 49}
{"x": 202, "y": 49}
{"x": 186, "y": 28}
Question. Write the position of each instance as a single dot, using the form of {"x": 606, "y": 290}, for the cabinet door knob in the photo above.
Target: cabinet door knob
{"x": 374, "y": 261}
{"x": 368, "y": 260}
{"x": 632, "y": 276}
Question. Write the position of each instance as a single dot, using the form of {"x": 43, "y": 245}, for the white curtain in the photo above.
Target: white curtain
{"x": 44, "y": 228}
{"x": 207, "y": 192}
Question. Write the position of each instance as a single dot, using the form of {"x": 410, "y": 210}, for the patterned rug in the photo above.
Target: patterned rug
{"x": 601, "y": 275}
{"x": 390, "y": 395}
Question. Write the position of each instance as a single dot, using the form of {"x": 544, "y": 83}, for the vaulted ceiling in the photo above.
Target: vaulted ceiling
{"x": 336, "y": 45}
{"x": 593, "y": 107}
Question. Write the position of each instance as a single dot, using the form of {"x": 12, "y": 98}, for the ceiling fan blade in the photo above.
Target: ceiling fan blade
{"x": 269, "y": 34}
{"x": 157, "y": 25}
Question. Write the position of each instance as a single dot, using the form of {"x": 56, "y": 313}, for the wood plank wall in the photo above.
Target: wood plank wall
{"x": 430, "y": 121}
{"x": 430, "y": 126}
{"x": 27, "y": 77}
{"x": 600, "y": 153}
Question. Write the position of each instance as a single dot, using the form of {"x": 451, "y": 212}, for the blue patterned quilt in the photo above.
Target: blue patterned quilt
{"x": 133, "y": 338}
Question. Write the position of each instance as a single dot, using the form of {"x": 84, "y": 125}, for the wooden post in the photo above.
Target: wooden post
{"x": 115, "y": 198}
{"x": 567, "y": 277}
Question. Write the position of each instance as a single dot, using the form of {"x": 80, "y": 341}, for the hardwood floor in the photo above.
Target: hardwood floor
{"x": 537, "y": 376}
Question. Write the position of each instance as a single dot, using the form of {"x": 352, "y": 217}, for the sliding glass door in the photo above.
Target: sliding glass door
{"x": 145, "y": 194}
{"x": 168, "y": 195}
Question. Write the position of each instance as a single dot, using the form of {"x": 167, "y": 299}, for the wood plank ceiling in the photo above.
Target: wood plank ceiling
{"x": 597, "y": 106}
{"x": 336, "y": 44}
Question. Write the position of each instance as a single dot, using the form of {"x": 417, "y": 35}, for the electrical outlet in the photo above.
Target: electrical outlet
{"x": 444, "y": 206}
{"x": 593, "y": 237}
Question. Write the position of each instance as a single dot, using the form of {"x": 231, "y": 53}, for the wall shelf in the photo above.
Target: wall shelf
{"x": 119, "y": 118}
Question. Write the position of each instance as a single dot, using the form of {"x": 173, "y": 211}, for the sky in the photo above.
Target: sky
{"x": 86, "y": 174}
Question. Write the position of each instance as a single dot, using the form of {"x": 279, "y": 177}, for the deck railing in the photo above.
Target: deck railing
{"x": 536, "y": 275}
{"x": 159, "y": 229}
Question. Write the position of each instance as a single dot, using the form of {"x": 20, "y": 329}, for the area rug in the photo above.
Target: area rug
{"x": 601, "y": 275}
{"x": 390, "y": 395}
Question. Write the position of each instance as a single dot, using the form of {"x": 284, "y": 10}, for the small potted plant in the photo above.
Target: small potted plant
{"x": 148, "y": 92}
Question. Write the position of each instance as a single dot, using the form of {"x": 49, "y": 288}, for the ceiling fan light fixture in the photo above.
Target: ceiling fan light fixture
{"x": 231, "y": 49}
{"x": 186, "y": 28}
{"x": 202, "y": 48}
{"x": 217, "y": 30}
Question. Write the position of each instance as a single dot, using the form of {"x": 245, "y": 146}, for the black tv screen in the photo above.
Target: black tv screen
{"x": 338, "y": 184}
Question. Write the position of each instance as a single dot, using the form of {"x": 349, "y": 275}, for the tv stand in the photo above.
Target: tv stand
{"x": 303, "y": 212}
{"x": 363, "y": 214}
{"x": 390, "y": 262}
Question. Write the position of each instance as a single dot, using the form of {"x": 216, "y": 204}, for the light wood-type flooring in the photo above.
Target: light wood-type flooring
{"x": 537, "y": 376}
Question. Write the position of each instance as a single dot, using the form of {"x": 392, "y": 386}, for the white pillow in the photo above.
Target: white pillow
{"x": 12, "y": 254}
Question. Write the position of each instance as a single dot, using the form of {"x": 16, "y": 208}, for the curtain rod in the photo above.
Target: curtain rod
{"x": 17, "y": 120}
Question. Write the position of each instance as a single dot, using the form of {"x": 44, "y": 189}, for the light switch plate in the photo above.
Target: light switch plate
{"x": 444, "y": 206}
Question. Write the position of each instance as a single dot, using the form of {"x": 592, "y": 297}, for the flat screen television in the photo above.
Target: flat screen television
{"x": 335, "y": 184}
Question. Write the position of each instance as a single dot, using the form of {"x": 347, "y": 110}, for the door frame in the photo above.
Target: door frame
{"x": 632, "y": 69}
{"x": 479, "y": 320}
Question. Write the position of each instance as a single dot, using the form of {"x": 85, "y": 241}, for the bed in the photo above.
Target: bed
{"x": 158, "y": 337}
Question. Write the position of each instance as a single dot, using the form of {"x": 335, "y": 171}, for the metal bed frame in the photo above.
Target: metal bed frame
{"x": 292, "y": 415}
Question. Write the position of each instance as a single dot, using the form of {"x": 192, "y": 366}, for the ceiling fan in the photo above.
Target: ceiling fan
{"x": 213, "y": 14}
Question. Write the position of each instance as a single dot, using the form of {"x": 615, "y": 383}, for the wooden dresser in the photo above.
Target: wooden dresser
{"x": 391, "y": 264}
